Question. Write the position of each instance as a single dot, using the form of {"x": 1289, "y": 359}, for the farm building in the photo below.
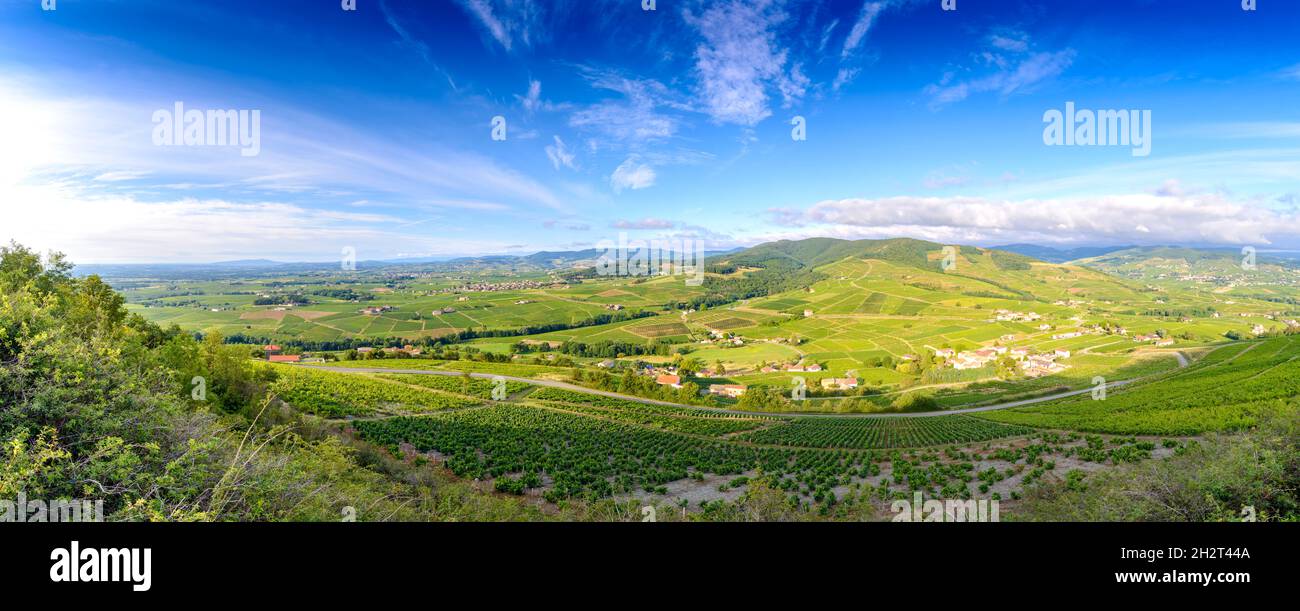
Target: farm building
{"x": 669, "y": 380}
{"x": 727, "y": 390}
{"x": 840, "y": 383}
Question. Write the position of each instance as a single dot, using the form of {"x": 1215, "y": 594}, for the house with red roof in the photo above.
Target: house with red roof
{"x": 669, "y": 380}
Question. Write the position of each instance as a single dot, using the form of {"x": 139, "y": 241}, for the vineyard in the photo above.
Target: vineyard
{"x": 336, "y": 395}
{"x": 565, "y": 444}
{"x": 474, "y": 387}
{"x": 873, "y": 433}
{"x": 567, "y": 396}
{"x": 588, "y": 457}
{"x": 706, "y": 427}
{"x": 1225, "y": 391}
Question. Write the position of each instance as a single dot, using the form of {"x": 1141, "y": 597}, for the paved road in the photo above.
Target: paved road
{"x": 590, "y": 391}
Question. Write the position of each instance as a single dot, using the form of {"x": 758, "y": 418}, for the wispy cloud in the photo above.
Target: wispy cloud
{"x": 741, "y": 59}
{"x": 641, "y": 115}
{"x": 532, "y": 101}
{"x": 411, "y": 41}
{"x": 1017, "y": 70}
{"x": 646, "y": 223}
{"x": 507, "y": 21}
{"x": 850, "y": 56}
{"x": 866, "y": 18}
{"x": 560, "y": 155}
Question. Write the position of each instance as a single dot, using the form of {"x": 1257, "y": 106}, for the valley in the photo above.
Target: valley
{"x": 840, "y": 374}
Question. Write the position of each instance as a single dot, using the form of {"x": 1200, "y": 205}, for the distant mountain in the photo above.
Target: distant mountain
{"x": 1152, "y": 261}
{"x": 544, "y": 260}
{"x": 192, "y": 270}
{"x": 814, "y": 252}
{"x": 1059, "y": 255}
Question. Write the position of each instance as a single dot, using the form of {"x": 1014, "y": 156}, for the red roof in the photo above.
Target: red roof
{"x": 270, "y": 347}
{"x": 286, "y": 358}
{"x": 668, "y": 379}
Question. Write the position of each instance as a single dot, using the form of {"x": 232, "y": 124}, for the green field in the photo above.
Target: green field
{"x": 1225, "y": 391}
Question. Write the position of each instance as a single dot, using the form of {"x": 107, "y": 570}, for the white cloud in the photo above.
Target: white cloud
{"x": 121, "y": 176}
{"x": 1147, "y": 218}
{"x": 646, "y": 223}
{"x": 560, "y": 155}
{"x": 116, "y": 228}
{"x": 1016, "y": 42}
{"x": 632, "y": 174}
{"x": 740, "y": 59}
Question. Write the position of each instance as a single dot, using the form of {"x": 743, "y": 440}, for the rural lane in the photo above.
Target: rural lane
{"x": 605, "y": 393}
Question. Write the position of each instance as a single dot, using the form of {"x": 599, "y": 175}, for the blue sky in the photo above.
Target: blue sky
{"x": 376, "y": 124}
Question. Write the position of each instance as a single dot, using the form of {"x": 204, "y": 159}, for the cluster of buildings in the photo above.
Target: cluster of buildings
{"x": 1009, "y": 316}
{"x": 793, "y": 368}
{"x": 407, "y": 350}
{"x": 723, "y": 338}
{"x": 839, "y": 383}
{"x": 1038, "y": 365}
{"x": 1153, "y": 337}
{"x": 669, "y": 377}
{"x": 1031, "y": 364}
{"x": 727, "y": 390}
{"x": 376, "y": 310}
{"x": 972, "y": 359}
{"x": 275, "y": 354}
{"x": 516, "y": 285}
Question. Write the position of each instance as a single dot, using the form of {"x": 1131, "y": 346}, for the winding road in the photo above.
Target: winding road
{"x": 1182, "y": 362}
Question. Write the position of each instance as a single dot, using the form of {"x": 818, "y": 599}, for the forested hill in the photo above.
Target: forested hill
{"x": 815, "y": 252}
